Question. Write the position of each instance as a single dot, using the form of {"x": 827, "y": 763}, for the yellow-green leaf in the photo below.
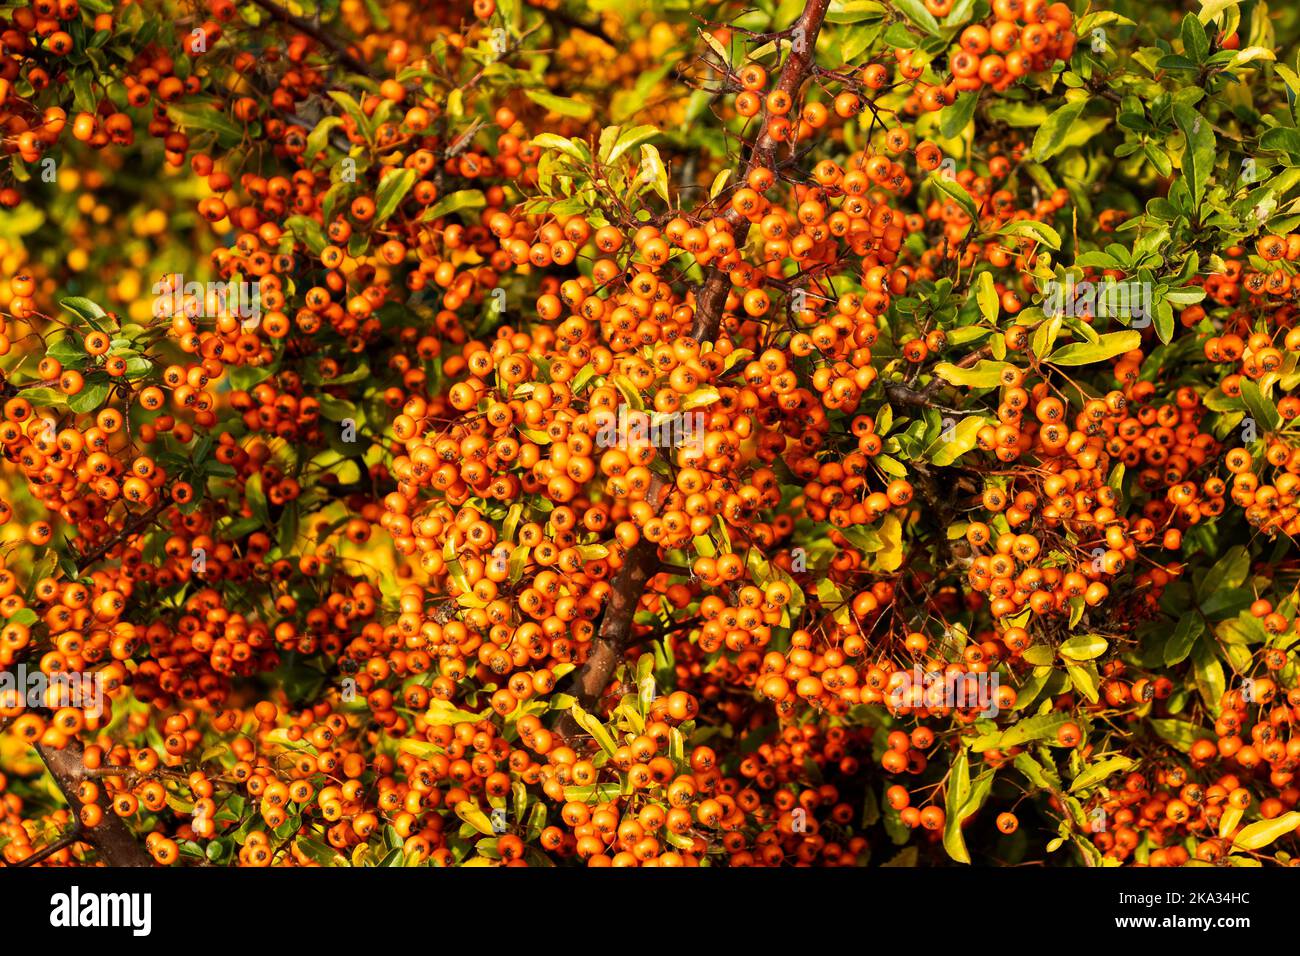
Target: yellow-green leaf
{"x": 1228, "y": 822}
{"x": 1106, "y": 347}
{"x": 592, "y": 725}
{"x": 565, "y": 106}
{"x": 955, "y": 442}
{"x": 984, "y": 374}
{"x": 890, "y": 556}
{"x": 474, "y": 817}
{"x": 1098, "y": 772}
{"x": 392, "y": 190}
{"x": 1084, "y": 647}
{"x": 1261, "y": 834}
{"x": 987, "y": 297}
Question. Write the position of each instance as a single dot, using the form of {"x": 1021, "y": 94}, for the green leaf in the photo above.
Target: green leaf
{"x": 1050, "y": 138}
{"x": 91, "y": 397}
{"x": 593, "y": 792}
{"x": 392, "y": 190}
{"x": 1211, "y": 9}
{"x": 1042, "y": 727}
{"x": 309, "y": 231}
{"x": 1017, "y": 113}
{"x": 287, "y": 534}
{"x": 207, "y": 117}
{"x": 958, "y": 791}
{"x": 319, "y": 137}
{"x": 863, "y": 538}
{"x": 354, "y": 110}
{"x": 915, "y": 11}
{"x": 854, "y": 11}
{"x": 455, "y": 202}
{"x": 1228, "y": 573}
{"x": 957, "y": 192}
{"x": 1210, "y": 681}
{"x": 1038, "y": 231}
{"x": 953, "y": 119}
{"x": 337, "y": 409}
{"x": 951, "y": 445}
{"x": 1249, "y": 55}
{"x": 86, "y": 310}
{"x": 1041, "y": 776}
{"x": 1179, "y": 645}
{"x": 1281, "y": 139}
{"x": 442, "y": 713}
{"x": 256, "y": 498}
{"x": 1181, "y": 733}
{"x": 1039, "y": 655}
{"x": 978, "y": 792}
{"x": 905, "y": 857}
{"x": 1198, "y": 155}
{"x": 986, "y": 296}
{"x": 1106, "y": 347}
{"x": 83, "y": 94}
{"x": 1045, "y": 336}
{"x": 1085, "y": 679}
{"x": 984, "y": 374}
{"x": 1164, "y": 321}
{"x": 629, "y": 140}
{"x": 1098, "y": 772}
{"x": 1158, "y": 158}
{"x": 593, "y": 726}
{"x": 1196, "y": 45}
{"x": 563, "y": 105}
{"x": 653, "y": 170}
{"x": 1260, "y": 406}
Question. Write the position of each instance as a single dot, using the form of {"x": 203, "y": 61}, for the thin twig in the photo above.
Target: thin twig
{"x": 68, "y": 839}
{"x": 320, "y": 36}
{"x": 128, "y": 529}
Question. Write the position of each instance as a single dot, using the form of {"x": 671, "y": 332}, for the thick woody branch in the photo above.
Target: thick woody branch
{"x": 712, "y": 298}
{"x": 907, "y": 397}
{"x": 115, "y": 843}
{"x": 611, "y": 641}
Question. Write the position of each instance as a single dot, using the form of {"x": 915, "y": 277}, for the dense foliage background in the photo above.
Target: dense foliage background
{"x": 971, "y": 326}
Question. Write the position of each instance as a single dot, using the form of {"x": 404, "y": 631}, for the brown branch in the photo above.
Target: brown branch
{"x": 115, "y": 843}
{"x": 316, "y": 33}
{"x": 128, "y": 529}
{"x": 611, "y": 641}
{"x": 712, "y": 299}
{"x": 71, "y": 838}
{"x": 969, "y": 360}
{"x": 560, "y": 15}
{"x": 907, "y": 397}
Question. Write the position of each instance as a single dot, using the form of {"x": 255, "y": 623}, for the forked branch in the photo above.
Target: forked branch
{"x": 712, "y": 298}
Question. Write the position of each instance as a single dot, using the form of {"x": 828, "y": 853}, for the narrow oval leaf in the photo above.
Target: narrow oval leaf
{"x": 1087, "y": 353}
{"x": 392, "y": 190}
{"x": 1085, "y": 647}
{"x": 1261, "y": 834}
